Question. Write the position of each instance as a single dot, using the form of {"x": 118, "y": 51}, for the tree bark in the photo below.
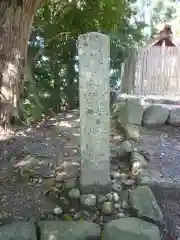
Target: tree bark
{"x": 16, "y": 19}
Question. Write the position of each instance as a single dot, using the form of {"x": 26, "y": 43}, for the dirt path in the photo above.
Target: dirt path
{"x": 55, "y": 144}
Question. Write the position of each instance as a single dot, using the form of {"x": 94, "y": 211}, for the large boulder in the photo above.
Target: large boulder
{"x": 155, "y": 115}
{"x": 130, "y": 229}
{"x": 144, "y": 202}
{"x": 69, "y": 230}
{"x": 18, "y": 230}
{"x": 131, "y": 112}
{"x": 174, "y": 115}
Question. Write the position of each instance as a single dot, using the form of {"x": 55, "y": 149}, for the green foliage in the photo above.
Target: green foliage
{"x": 163, "y": 12}
{"x": 52, "y": 54}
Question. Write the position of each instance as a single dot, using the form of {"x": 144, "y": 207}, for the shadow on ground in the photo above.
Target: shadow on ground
{"x": 53, "y": 146}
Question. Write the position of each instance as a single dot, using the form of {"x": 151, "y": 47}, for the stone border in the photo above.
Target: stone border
{"x": 124, "y": 228}
{"x": 149, "y": 111}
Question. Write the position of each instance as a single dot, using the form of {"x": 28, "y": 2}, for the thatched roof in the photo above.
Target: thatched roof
{"x": 165, "y": 36}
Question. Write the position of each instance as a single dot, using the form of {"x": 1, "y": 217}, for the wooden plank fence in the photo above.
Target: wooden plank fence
{"x": 153, "y": 71}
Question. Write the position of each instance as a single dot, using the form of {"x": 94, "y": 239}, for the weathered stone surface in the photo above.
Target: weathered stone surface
{"x": 74, "y": 193}
{"x": 122, "y": 97}
{"x": 117, "y": 106}
{"x": 70, "y": 183}
{"x": 137, "y": 157}
{"x": 88, "y": 200}
{"x": 117, "y": 187}
{"x": 132, "y": 111}
{"x": 94, "y": 51}
{"x": 132, "y": 132}
{"x": 68, "y": 230}
{"x": 58, "y": 210}
{"x": 116, "y": 197}
{"x": 174, "y": 116}
{"x": 155, "y": 115}
{"x": 143, "y": 200}
{"x": 18, "y": 230}
{"x": 123, "y": 148}
{"x": 130, "y": 229}
{"x": 107, "y": 208}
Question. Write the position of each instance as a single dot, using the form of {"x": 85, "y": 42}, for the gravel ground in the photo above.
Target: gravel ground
{"x": 164, "y": 145}
{"x": 51, "y": 144}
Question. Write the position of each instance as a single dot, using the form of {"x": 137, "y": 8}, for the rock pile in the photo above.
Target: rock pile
{"x": 129, "y": 211}
{"x": 125, "y": 208}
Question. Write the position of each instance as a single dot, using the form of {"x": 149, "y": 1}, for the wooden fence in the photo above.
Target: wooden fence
{"x": 153, "y": 71}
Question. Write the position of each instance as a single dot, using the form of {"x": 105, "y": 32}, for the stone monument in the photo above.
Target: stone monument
{"x": 94, "y": 87}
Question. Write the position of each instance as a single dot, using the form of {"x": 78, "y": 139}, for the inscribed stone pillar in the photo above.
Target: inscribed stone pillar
{"x": 94, "y": 69}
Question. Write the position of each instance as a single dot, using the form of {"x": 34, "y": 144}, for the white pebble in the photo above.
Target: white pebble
{"x": 116, "y": 197}
{"x": 74, "y": 193}
{"x": 58, "y": 210}
{"x": 120, "y": 215}
{"x": 117, "y": 206}
{"x": 124, "y": 204}
{"x": 88, "y": 199}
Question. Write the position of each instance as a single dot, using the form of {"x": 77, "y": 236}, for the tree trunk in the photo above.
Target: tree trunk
{"x": 16, "y": 17}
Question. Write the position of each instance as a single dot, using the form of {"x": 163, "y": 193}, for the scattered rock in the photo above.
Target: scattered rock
{"x": 88, "y": 200}
{"x": 117, "y": 187}
{"x": 123, "y": 177}
{"x": 130, "y": 228}
{"x": 117, "y": 206}
{"x": 77, "y": 216}
{"x": 58, "y": 210}
{"x": 101, "y": 198}
{"x": 124, "y": 204}
{"x": 138, "y": 162}
{"x": 63, "y": 201}
{"x": 129, "y": 182}
{"x": 115, "y": 175}
{"x": 61, "y": 177}
{"x": 120, "y": 215}
{"x": 143, "y": 201}
{"x": 116, "y": 197}
{"x": 125, "y": 147}
{"x": 137, "y": 157}
{"x": 107, "y": 208}
{"x": 155, "y": 115}
{"x": 70, "y": 183}
{"x": 70, "y": 230}
{"x": 109, "y": 196}
{"x": 74, "y": 193}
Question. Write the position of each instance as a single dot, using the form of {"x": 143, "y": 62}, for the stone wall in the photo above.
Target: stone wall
{"x": 124, "y": 228}
{"x": 149, "y": 111}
